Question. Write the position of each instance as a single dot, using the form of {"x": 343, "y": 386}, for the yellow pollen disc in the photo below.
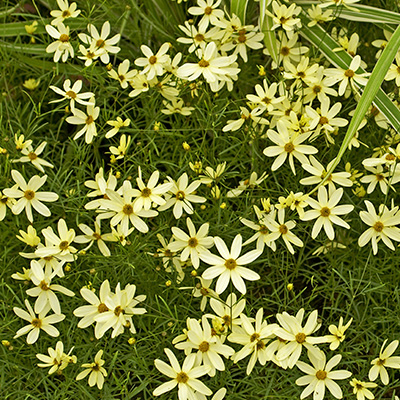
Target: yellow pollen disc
{"x": 193, "y": 242}
{"x": 266, "y": 100}
{"x": 64, "y": 38}
{"x": 66, "y": 14}
{"x": 379, "y": 177}
{"x": 43, "y": 285}
{"x": 254, "y": 336}
{"x": 180, "y": 195}
{"x": 260, "y": 345}
{"x": 289, "y": 147}
{"x": 37, "y": 323}
{"x": 203, "y": 63}
{"x": 380, "y": 362}
{"x": 242, "y": 38}
{"x": 283, "y": 229}
{"x": 182, "y": 377}
{"x": 230, "y": 264}
{"x": 390, "y": 157}
{"x": 89, "y": 120}
{"x": 100, "y": 43}
{"x": 127, "y": 209}
{"x": 96, "y": 236}
{"x": 102, "y": 308}
{"x": 118, "y": 310}
{"x": 71, "y": 94}
{"x": 301, "y": 74}
{"x": 32, "y": 156}
{"x": 378, "y": 226}
{"x": 264, "y": 230}
{"x": 321, "y": 375}
{"x": 301, "y": 338}
{"x": 96, "y": 367}
{"x": 323, "y": 120}
{"x": 325, "y": 212}
{"x": 146, "y": 192}
{"x": 227, "y": 319}
{"x": 317, "y": 89}
{"x": 199, "y": 37}
{"x": 285, "y": 51}
{"x": 29, "y": 194}
{"x": 63, "y": 245}
{"x": 349, "y": 73}
{"x": 208, "y": 10}
{"x": 204, "y": 347}
{"x": 152, "y": 60}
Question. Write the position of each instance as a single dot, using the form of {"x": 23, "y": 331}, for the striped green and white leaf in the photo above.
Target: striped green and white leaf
{"x": 239, "y": 7}
{"x": 265, "y": 24}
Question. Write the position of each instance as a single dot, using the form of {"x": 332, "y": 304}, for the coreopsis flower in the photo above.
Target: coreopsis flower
{"x": 250, "y": 183}
{"x": 181, "y": 196}
{"x": 320, "y": 376}
{"x": 253, "y": 339}
{"x": 209, "y": 11}
{"x": 139, "y": 85}
{"x": 202, "y": 289}
{"x": 32, "y": 156}
{"x": 285, "y": 17}
{"x": 339, "y": 3}
{"x": 44, "y": 290}
{"x": 36, "y": 323}
{"x": 31, "y": 83}
{"x": 50, "y": 263}
{"x": 28, "y": 195}
{"x": 184, "y": 377}
{"x": 326, "y": 211}
{"x": 100, "y": 40}
{"x": 254, "y": 115}
{"x": 319, "y": 172}
{"x": 121, "y": 307}
{"x": 288, "y": 145}
{"x": 229, "y": 265}
{"x": 29, "y": 237}
{"x": 361, "y": 389}
{"x": 282, "y": 229}
{"x": 96, "y": 370}
{"x": 117, "y": 125}
{"x": 337, "y": 334}
{"x": 210, "y": 175}
{"x": 193, "y": 244}
{"x": 57, "y": 360}
{"x": 384, "y": 361}
{"x": 58, "y": 246}
{"x": 209, "y": 346}
{"x": 21, "y": 143}
{"x": 87, "y": 120}
{"x": 99, "y": 186}
{"x": 377, "y": 176}
{"x": 122, "y": 148}
{"x": 90, "y": 54}
{"x": 319, "y": 89}
{"x": 72, "y": 94}
{"x": 154, "y": 64}
{"x": 265, "y": 98}
{"x": 382, "y": 226}
{"x": 62, "y": 47}
{"x": 5, "y": 202}
{"x": 317, "y": 15}
{"x": 66, "y": 11}
{"x": 381, "y": 43}
{"x": 247, "y": 37}
{"x": 97, "y": 306}
{"x": 302, "y": 73}
{"x": 297, "y": 336}
{"x": 197, "y": 37}
{"x": 177, "y": 106}
{"x": 123, "y": 76}
{"x": 91, "y": 236}
{"x": 348, "y": 78}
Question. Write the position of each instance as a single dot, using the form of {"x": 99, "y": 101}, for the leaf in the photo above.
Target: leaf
{"x": 238, "y": 7}
{"x": 265, "y": 24}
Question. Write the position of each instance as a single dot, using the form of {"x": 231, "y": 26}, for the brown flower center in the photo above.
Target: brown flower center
{"x": 203, "y": 63}
{"x": 118, "y": 310}
{"x": 242, "y": 38}
{"x": 321, "y": 375}
{"x": 227, "y": 319}
{"x": 71, "y": 94}
{"x": 193, "y": 242}
{"x": 317, "y": 89}
{"x": 146, "y": 192}
{"x": 199, "y": 37}
{"x": 264, "y": 230}
{"x": 43, "y": 285}
{"x": 266, "y": 100}
{"x": 96, "y": 367}
{"x": 204, "y": 347}
{"x": 89, "y": 120}
{"x": 300, "y": 338}
{"x": 152, "y": 60}
{"x": 260, "y": 345}
{"x": 301, "y": 74}
{"x": 66, "y": 14}
{"x": 380, "y": 362}
{"x": 289, "y": 147}
{"x": 182, "y": 377}
{"x": 349, "y": 73}
{"x": 323, "y": 120}
{"x": 254, "y": 336}
{"x": 100, "y": 43}
{"x": 208, "y": 10}
{"x": 32, "y": 156}
{"x": 127, "y": 209}
{"x": 285, "y": 51}
{"x": 102, "y": 308}
{"x": 283, "y": 229}
{"x": 63, "y": 245}
{"x": 96, "y": 236}
{"x": 64, "y": 38}
{"x": 180, "y": 195}
{"x": 230, "y": 264}
{"x": 378, "y": 226}
{"x": 325, "y": 212}
{"x": 36, "y": 322}
{"x": 29, "y": 194}
{"x": 379, "y": 177}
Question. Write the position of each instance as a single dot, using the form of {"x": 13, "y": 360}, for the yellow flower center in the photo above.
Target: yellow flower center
{"x": 64, "y": 38}
{"x": 152, "y": 60}
{"x": 321, "y": 375}
{"x": 289, "y": 147}
{"x": 71, "y": 94}
{"x": 193, "y": 242}
{"x": 32, "y": 156}
{"x": 36, "y": 322}
{"x": 180, "y": 195}
{"x": 378, "y": 226}
{"x": 203, "y": 63}
{"x": 29, "y": 194}
{"x": 323, "y": 120}
{"x": 127, "y": 209}
{"x": 100, "y": 43}
{"x": 325, "y": 212}
{"x": 102, "y": 308}
{"x": 182, "y": 377}
{"x": 204, "y": 347}
{"x": 349, "y": 73}
{"x": 208, "y": 10}
{"x": 230, "y": 264}
{"x": 146, "y": 192}
{"x": 301, "y": 338}
{"x": 43, "y": 285}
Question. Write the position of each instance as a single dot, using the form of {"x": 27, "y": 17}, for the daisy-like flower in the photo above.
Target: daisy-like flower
{"x": 250, "y": 183}
{"x": 97, "y": 306}
{"x": 202, "y": 289}
{"x": 44, "y": 290}
{"x": 288, "y": 145}
{"x": 382, "y": 226}
{"x": 88, "y": 120}
{"x": 29, "y": 237}
{"x": 181, "y": 196}
{"x": 193, "y": 244}
{"x": 123, "y": 76}
{"x": 361, "y": 389}
{"x": 337, "y": 334}
{"x": 253, "y": 339}
{"x": 326, "y": 211}
{"x": 62, "y": 47}
{"x": 177, "y": 106}
{"x": 282, "y": 229}
{"x": 320, "y": 89}
{"x": 209, "y": 11}
{"x": 99, "y": 186}
{"x": 319, "y": 172}
{"x": 184, "y": 377}
{"x": 117, "y": 125}
{"x": 246, "y": 38}
{"x": 265, "y": 98}
{"x": 66, "y": 11}
{"x": 320, "y": 376}
{"x": 6, "y": 201}
{"x": 297, "y": 336}
{"x": 59, "y": 246}
{"x": 377, "y": 176}
{"x": 384, "y": 361}
{"x": 91, "y": 236}
{"x": 302, "y": 73}
{"x": 284, "y": 17}
{"x": 28, "y": 195}
{"x": 32, "y": 156}
{"x": 122, "y": 148}
{"x": 254, "y": 115}
{"x": 318, "y": 15}
{"x": 154, "y": 64}
{"x": 197, "y": 37}
{"x": 348, "y": 77}
{"x": 209, "y": 346}
{"x": 91, "y": 54}
{"x": 96, "y": 370}
{"x": 229, "y": 266}
{"x": 57, "y": 360}
{"x": 72, "y": 94}
{"x": 36, "y": 323}
{"x": 100, "y": 40}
